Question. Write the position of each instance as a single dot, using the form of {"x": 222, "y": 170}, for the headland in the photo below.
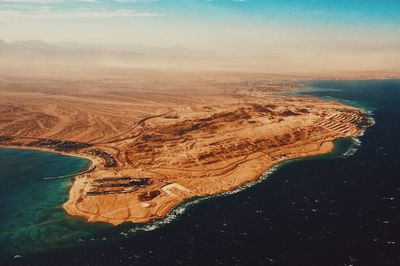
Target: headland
{"x": 159, "y": 139}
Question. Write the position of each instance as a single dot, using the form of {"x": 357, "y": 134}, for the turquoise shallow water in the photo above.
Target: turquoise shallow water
{"x": 338, "y": 209}
{"x": 32, "y": 217}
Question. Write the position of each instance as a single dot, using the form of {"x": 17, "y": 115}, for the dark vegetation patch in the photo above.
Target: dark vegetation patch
{"x": 60, "y": 145}
{"x": 108, "y": 158}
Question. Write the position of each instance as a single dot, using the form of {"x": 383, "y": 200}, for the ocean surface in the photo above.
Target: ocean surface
{"x": 32, "y": 217}
{"x": 338, "y": 209}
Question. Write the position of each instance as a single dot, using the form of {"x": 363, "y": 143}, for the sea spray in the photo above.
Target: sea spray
{"x": 353, "y": 148}
{"x": 180, "y": 209}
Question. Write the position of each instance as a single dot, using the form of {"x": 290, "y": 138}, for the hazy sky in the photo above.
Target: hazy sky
{"x": 194, "y": 22}
{"x": 288, "y": 27}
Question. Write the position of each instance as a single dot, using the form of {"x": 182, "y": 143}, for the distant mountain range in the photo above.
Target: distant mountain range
{"x": 71, "y": 47}
{"x": 270, "y": 60}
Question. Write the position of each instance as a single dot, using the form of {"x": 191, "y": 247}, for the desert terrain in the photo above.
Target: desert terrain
{"x": 160, "y": 138}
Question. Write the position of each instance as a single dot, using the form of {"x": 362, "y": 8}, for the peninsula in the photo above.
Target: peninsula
{"x": 158, "y": 139}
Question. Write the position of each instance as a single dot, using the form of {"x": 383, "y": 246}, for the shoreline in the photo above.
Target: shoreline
{"x": 78, "y": 184}
{"x": 249, "y": 184}
{"x": 93, "y": 162}
{"x": 224, "y": 176}
{"x": 328, "y": 148}
{"x": 71, "y": 209}
{"x": 194, "y": 200}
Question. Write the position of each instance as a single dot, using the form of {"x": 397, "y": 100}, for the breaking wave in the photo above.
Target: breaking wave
{"x": 356, "y": 143}
{"x": 179, "y": 210}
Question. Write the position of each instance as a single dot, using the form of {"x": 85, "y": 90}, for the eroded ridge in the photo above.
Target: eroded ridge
{"x": 153, "y": 152}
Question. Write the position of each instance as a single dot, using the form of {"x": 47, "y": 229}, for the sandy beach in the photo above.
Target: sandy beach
{"x": 157, "y": 139}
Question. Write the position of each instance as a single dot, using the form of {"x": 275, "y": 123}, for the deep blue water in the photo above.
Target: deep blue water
{"x": 328, "y": 210}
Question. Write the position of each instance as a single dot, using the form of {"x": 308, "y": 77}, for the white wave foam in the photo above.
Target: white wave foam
{"x": 263, "y": 177}
{"x": 172, "y": 216}
{"x": 356, "y": 143}
{"x": 372, "y": 120}
{"x": 175, "y": 213}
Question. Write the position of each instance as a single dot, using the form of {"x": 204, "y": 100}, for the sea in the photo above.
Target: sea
{"x": 342, "y": 208}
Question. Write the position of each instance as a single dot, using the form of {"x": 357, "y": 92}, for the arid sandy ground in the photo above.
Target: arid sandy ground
{"x": 160, "y": 138}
